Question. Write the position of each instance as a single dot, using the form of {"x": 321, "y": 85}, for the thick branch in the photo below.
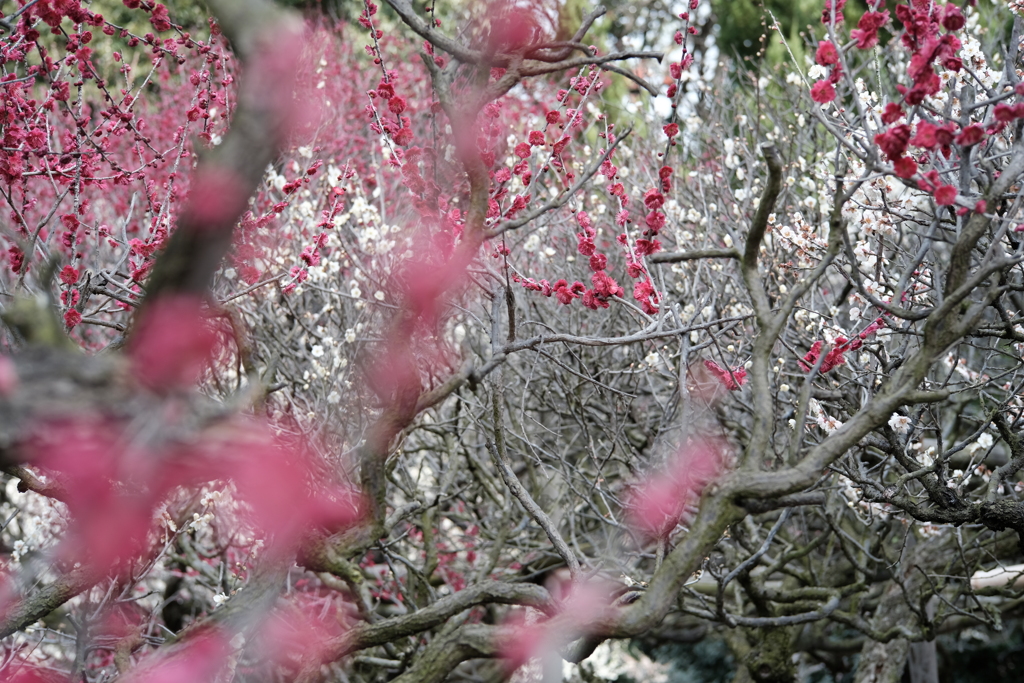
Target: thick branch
{"x": 577, "y": 62}
{"x": 390, "y": 630}
{"x": 754, "y": 507}
{"x": 764, "y": 209}
{"x": 680, "y": 256}
{"x": 440, "y": 658}
{"x": 25, "y": 611}
{"x": 433, "y": 36}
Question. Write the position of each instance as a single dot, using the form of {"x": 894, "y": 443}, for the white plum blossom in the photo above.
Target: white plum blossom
{"x": 899, "y": 423}
{"x": 983, "y": 443}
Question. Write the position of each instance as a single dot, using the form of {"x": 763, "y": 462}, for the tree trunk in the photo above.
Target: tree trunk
{"x": 884, "y": 662}
{"x": 924, "y": 663}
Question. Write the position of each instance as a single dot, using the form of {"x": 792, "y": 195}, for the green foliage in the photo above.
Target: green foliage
{"x": 190, "y": 14}
{"x": 973, "y": 656}
{"x": 571, "y": 13}
{"x": 707, "y": 660}
{"x": 343, "y": 10}
{"x": 742, "y": 24}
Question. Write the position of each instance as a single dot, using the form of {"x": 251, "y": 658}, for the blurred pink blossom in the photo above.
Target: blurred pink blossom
{"x": 658, "y": 504}
{"x": 172, "y": 343}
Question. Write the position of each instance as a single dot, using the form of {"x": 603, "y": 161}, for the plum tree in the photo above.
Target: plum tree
{"x": 408, "y": 349}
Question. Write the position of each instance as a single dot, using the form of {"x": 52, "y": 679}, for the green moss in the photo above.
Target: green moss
{"x": 771, "y": 660}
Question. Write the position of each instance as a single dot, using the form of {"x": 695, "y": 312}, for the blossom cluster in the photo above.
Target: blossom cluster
{"x": 92, "y": 171}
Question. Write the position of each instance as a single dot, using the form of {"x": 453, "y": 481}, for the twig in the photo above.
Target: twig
{"x": 500, "y": 456}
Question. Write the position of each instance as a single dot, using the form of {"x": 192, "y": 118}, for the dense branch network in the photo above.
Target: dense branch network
{"x": 423, "y": 448}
